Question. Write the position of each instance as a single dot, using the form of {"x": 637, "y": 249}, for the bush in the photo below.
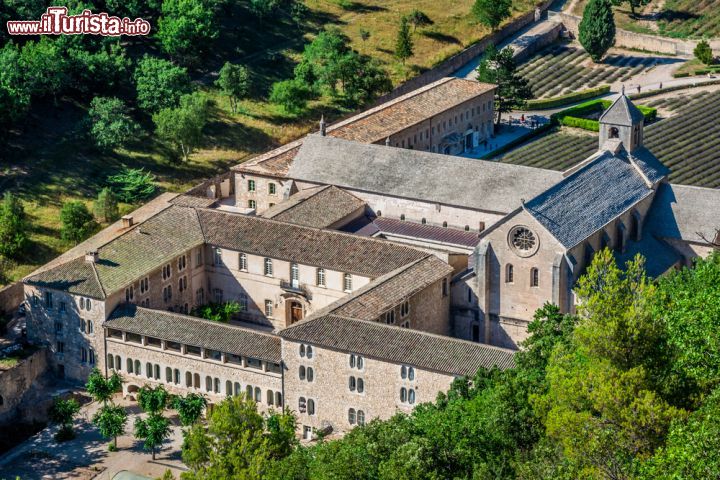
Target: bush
{"x": 572, "y": 117}
{"x": 704, "y": 53}
{"x": 77, "y": 221}
{"x": 110, "y": 124}
{"x": 133, "y": 185}
{"x": 13, "y": 226}
{"x": 554, "y": 102}
{"x": 217, "y": 312}
{"x": 292, "y": 95}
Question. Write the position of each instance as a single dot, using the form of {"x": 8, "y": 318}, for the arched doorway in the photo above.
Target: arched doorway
{"x": 295, "y": 311}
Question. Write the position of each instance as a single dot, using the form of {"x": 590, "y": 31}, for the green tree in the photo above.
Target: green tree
{"x": 153, "y": 430}
{"x": 704, "y": 53}
{"x": 491, "y": 12}
{"x": 500, "y": 68}
{"x": 403, "y": 42}
{"x": 187, "y": 27}
{"x": 217, "y": 312}
{"x": 105, "y": 207}
{"x": 292, "y": 95}
{"x": 264, "y": 8}
{"x": 110, "y": 124}
{"x": 597, "y": 29}
{"x": 62, "y": 413}
{"x": 45, "y": 67}
{"x": 13, "y": 226}
{"x": 102, "y": 389}
{"x": 183, "y": 126}
{"x": 153, "y": 400}
{"x": 234, "y": 80}
{"x": 14, "y": 91}
{"x": 235, "y": 426}
{"x": 160, "y": 84}
{"x": 110, "y": 421}
{"x": 634, "y": 4}
{"x": 133, "y": 185}
{"x": 77, "y": 223}
{"x": 134, "y": 8}
{"x": 190, "y": 407}
{"x": 321, "y": 64}
{"x": 419, "y": 19}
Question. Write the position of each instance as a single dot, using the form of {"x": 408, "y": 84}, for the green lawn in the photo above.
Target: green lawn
{"x": 49, "y": 159}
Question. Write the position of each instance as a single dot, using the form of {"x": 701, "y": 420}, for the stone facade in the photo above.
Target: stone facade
{"x": 16, "y": 381}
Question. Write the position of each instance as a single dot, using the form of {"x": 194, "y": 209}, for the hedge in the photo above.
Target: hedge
{"x": 547, "y": 103}
{"x": 571, "y": 117}
{"x": 518, "y": 141}
{"x": 652, "y": 93}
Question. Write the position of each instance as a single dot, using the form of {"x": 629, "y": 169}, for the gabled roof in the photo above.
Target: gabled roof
{"x": 198, "y": 332}
{"x": 310, "y": 246}
{"x": 401, "y": 228}
{"x": 399, "y": 345}
{"x": 318, "y": 207}
{"x": 622, "y": 112}
{"x": 589, "y": 199}
{"x": 684, "y": 213}
{"x": 139, "y": 250}
{"x": 433, "y": 177}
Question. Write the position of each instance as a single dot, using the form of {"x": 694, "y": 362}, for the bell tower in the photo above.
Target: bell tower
{"x": 624, "y": 122}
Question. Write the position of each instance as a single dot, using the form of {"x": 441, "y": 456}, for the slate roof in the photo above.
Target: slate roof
{"x": 399, "y": 345}
{"x": 403, "y": 228}
{"x": 195, "y": 331}
{"x": 477, "y": 184}
{"x": 384, "y": 293}
{"x": 318, "y": 207}
{"x": 274, "y": 163}
{"x": 310, "y": 246}
{"x": 651, "y": 167}
{"x": 589, "y": 199}
{"x": 139, "y": 250}
{"x": 659, "y": 256}
{"x": 622, "y": 112}
{"x": 684, "y": 212}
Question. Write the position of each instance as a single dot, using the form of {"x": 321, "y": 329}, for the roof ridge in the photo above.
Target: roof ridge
{"x": 97, "y": 277}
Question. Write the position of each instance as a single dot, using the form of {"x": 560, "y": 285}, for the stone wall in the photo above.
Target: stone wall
{"x": 457, "y": 61}
{"x": 11, "y": 297}
{"x": 639, "y": 41}
{"x": 15, "y": 382}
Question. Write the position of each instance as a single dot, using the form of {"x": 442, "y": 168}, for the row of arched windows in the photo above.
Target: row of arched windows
{"x": 510, "y": 275}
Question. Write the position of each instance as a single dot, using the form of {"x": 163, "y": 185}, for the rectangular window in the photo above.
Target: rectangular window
{"x": 242, "y": 262}
{"x": 173, "y": 346}
{"x": 83, "y": 355}
{"x": 252, "y": 204}
{"x": 320, "y": 277}
{"x": 243, "y": 302}
{"x": 153, "y": 342}
{"x": 58, "y": 327}
{"x": 199, "y": 258}
{"x": 133, "y": 337}
{"x": 253, "y": 363}
{"x": 48, "y": 300}
{"x": 62, "y": 307}
{"x": 232, "y": 358}
{"x": 272, "y": 189}
{"x": 60, "y": 347}
{"x": 190, "y": 350}
{"x": 268, "y": 308}
{"x": 268, "y": 267}
{"x": 213, "y": 355}
{"x": 112, "y": 333}
{"x": 347, "y": 282}
{"x": 251, "y": 185}
{"x": 274, "y": 367}
{"x": 218, "y": 256}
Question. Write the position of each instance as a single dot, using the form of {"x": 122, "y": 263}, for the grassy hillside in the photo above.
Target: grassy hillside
{"x": 47, "y": 158}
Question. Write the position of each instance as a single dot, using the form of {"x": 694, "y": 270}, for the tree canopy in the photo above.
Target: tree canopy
{"x": 491, "y": 12}
{"x": 13, "y": 226}
{"x": 597, "y": 29}
{"x": 512, "y": 90}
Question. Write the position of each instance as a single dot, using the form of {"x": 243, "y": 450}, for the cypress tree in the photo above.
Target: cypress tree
{"x": 404, "y": 45}
{"x": 597, "y": 29}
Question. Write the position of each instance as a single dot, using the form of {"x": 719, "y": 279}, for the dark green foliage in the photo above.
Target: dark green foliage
{"x": 153, "y": 430}
{"x": 570, "y": 98}
{"x": 134, "y": 8}
{"x": 218, "y": 312}
{"x": 102, "y": 389}
{"x": 187, "y": 27}
{"x": 111, "y": 125}
{"x": 110, "y": 421}
{"x": 182, "y": 126}
{"x": 234, "y": 80}
{"x": 418, "y": 19}
{"x": 597, "y": 29}
{"x": 634, "y": 4}
{"x": 573, "y": 116}
{"x": 704, "y": 53}
{"x": 499, "y": 67}
{"x": 403, "y": 42}
{"x": 190, "y": 407}
{"x": 105, "y": 207}
{"x": 133, "y": 185}
{"x": 264, "y": 8}
{"x": 238, "y": 442}
{"x": 491, "y": 12}
{"x": 160, "y": 84}
{"x": 13, "y": 226}
{"x": 77, "y": 223}
{"x": 292, "y": 95}
{"x": 62, "y": 413}
{"x": 153, "y": 400}
{"x": 14, "y": 92}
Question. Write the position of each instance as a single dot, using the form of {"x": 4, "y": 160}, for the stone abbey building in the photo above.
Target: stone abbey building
{"x": 372, "y": 268}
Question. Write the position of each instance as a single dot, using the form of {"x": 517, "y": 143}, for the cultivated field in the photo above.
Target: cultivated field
{"x": 688, "y": 142}
{"x": 564, "y": 68}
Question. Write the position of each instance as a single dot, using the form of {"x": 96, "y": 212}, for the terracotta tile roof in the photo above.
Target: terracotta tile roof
{"x": 310, "y": 246}
{"x": 384, "y": 293}
{"x": 401, "y": 228}
{"x": 378, "y": 123}
{"x": 317, "y": 207}
{"x": 399, "y": 345}
{"x": 195, "y": 331}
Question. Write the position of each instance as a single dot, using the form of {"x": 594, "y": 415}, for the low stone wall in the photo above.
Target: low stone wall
{"x": 16, "y": 381}
{"x": 639, "y": 41}
{"x": 457, "y": 61}
{"x": 11, "y": 297}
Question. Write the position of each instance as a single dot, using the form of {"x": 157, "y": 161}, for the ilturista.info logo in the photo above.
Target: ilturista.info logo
{"x": 56, "y": 21}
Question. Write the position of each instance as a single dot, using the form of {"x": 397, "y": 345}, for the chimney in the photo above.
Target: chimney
{"x": 92, "y": 256}
{"x": 127, "y": 221}
{"x": 323, "y": 125}
{"x": 387, "y": 141}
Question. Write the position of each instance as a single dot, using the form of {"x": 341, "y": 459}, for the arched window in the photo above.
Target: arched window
{"x": 188, "y": 379}
{"x": 360, "y": 362}
{"x": 249, "y": 392}
{"x": 445, "y": 224}
{"x": 403, "y": 372}
{"x": 228, "y": 388}
{"x": 302, "y": 372}
{"x": 157, "y": 372}
{"x": 148, "y": 369}
{"x": 352, "y": 361}
{"x": 129, "y": 364}
{"x": 534, "y": 277}
{"x": 302, "y": 350}
{"x": 302, "y": 405}
{"x": 309, "y": 351}
{"x": 467, "y": 228}
{"x": 138, "y": 367}
{"x": 360, "y": 385}
{"x": 237, "y": 390}
{"x": 196, "y": 380}
{"x": 411, "y": 373}
{"x": 360, "y": 417}
{"x": 351, "y": 384}
{"x": 390, "y": 317}
{"x": 614, "y": 133}
{"x": 208, "y": 384}
{"x": 423, "y": 221}
{"x": 278, "y": 399}
{"x": 310, "y": 374}
{"x": 269, "y": 397}
{"x": 216, "y": 385}
{"x": 258, "y": 395}
{"x": 118, "y": 363}
{"x": 351, "y": 416}
{"x": 411, "y": 396}
{"x": 509, "y": 273}
{"x": 111, "y": 361}
{"x": 311, "y": 406}
{"x": 168, "y": 375}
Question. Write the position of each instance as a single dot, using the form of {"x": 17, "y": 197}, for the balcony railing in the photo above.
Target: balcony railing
{"x": 295, "y": 287}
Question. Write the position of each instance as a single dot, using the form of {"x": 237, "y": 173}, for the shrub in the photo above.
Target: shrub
{"x": 77, "y": 221}
{"x": 704, "y": 53}
{"x": 292, "y": 95}
{"x": 13, "y": 226}
{"x": 554, "y": 102}
{"x": 133, "y": 184}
